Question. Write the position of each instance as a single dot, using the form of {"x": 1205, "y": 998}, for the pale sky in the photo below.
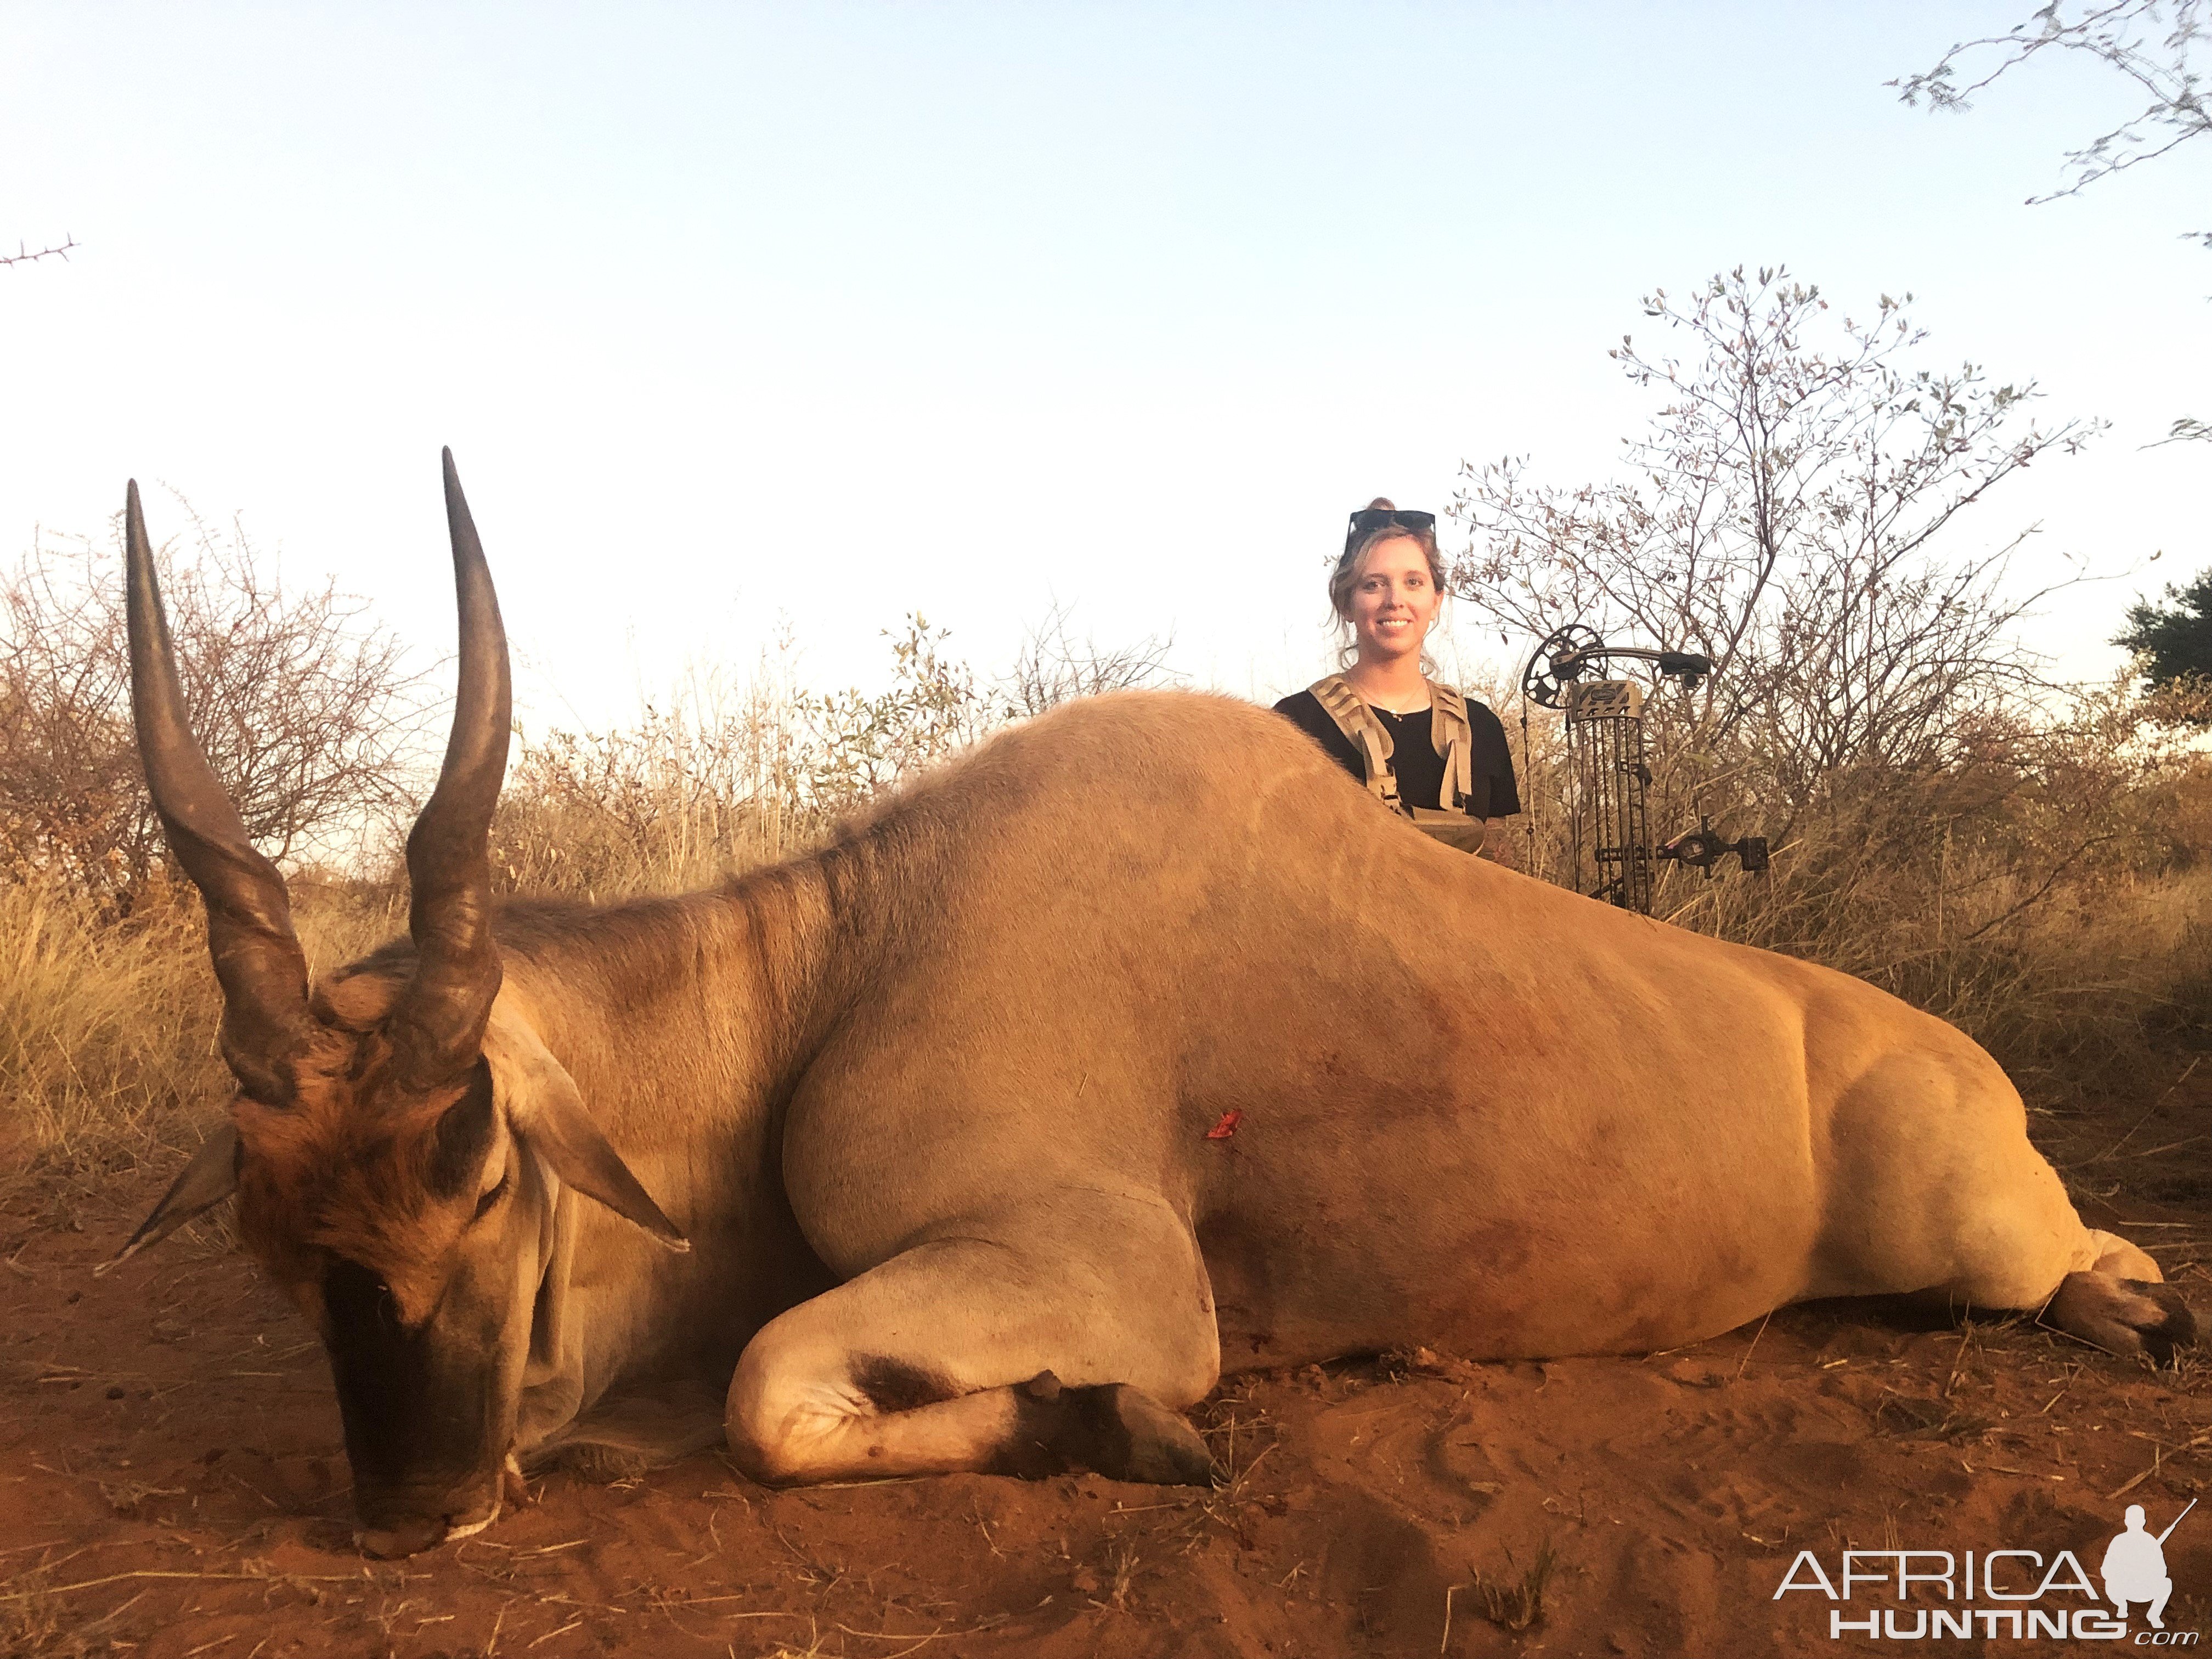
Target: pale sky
{"x": 828, "y": 313}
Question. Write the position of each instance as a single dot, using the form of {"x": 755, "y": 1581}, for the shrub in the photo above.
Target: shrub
{"x": 305, "y": 707}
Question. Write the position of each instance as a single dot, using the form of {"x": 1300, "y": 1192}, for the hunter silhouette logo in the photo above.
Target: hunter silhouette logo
{"x": 2135, "y": 1566}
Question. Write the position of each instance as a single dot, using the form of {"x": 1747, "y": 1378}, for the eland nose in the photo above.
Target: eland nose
{"x": 407, "y": 1537}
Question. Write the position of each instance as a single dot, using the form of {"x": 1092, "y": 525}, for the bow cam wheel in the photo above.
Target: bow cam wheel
{"x": 1560, "y": 658}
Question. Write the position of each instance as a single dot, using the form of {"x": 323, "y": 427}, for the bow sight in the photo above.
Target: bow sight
{"x": 1607, "y": 777}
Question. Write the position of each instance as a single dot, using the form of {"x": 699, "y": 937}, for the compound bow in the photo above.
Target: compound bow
{"x": 1608, "y": 778}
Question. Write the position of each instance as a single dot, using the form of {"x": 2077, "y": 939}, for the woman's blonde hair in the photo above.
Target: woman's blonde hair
{"x": 1346, "y": 576}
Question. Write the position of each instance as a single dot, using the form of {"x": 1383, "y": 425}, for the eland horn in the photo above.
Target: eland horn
{"x": 438, "y": 1026}
{"x": 258, "y": 961}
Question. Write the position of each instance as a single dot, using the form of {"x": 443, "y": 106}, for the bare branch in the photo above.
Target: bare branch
{"x": 24, "y": 256}
{"x": 2149, "y": 42}
{"x": 1053, "y": 667}
{"x": 1781, "y": 517}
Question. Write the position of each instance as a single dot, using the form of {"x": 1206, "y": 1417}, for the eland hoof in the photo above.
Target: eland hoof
{"x": 409, "y": 1537}
{"x": 1125, "y": 1434}
{"x": 2124, "y": 1316}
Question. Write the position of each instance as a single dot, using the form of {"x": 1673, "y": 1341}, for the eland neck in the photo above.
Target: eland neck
{"x": 686, "y": 1023}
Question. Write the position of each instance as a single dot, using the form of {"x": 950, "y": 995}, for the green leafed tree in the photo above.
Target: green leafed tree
{"x": 2173, "y": 638}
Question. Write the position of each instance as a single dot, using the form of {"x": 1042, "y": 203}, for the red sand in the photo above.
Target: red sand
{"x": 172, "y": 1485}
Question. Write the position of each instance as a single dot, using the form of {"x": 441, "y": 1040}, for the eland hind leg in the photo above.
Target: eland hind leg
{"x": 1014, "y": 1344}
{"x": 2104, "y": 1291}
{"x": 2033, "y": 1254}
{"x": 1939, "y": 1191}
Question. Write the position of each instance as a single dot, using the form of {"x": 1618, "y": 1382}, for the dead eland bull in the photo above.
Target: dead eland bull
{"x": 901, "y": 1146}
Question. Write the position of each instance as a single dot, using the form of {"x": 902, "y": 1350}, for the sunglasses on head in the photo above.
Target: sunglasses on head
{"x": 1369, "y": 519}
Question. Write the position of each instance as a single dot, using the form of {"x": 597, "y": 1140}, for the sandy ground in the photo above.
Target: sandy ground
{"x": 172, "y": 1485}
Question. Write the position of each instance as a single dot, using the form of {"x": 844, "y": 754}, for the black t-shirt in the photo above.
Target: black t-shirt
{"x": 1413, "y": 754}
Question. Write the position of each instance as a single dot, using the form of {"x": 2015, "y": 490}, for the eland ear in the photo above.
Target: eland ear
{"x": 209, "y": 1178}
{"x": 546, "y": 1107}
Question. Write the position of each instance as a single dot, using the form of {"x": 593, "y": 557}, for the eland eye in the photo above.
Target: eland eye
{"x": 498, "y": 1192}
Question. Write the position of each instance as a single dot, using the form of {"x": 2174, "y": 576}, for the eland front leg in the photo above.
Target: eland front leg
{"x": 1014, "y": 1344}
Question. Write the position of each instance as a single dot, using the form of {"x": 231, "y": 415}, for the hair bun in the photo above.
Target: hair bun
{"x": 1382, "y": 504}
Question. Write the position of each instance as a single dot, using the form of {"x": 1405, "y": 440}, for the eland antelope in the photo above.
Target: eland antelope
{"x": 990, "y": 1135}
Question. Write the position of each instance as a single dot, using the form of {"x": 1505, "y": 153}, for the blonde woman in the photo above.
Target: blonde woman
{"x": 1421, "y": 749}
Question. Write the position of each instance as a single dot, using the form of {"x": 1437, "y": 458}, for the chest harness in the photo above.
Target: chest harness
{"x": 1454, "y": 743}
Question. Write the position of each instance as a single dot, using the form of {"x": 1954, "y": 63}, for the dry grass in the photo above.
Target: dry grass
{"x": 710, "y": 785}
{"x": 107, "y": 1029}
{"x": 42, "y": 1618}
{"x": 2086, "y": 989}
{"x": 1512, "y": 1604}
{"x": 1518, "y": 1602}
